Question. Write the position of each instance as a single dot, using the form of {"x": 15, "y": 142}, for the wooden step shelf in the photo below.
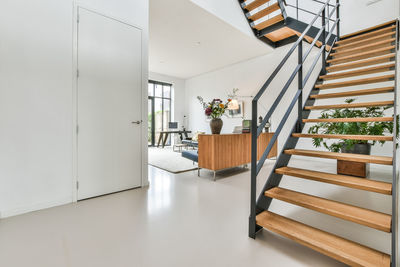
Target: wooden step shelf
{"x": 364, "y": 48}
{"x": 367, "y": 41}
{"x": 280, "y": 34}
{"x": 351, "y": 105}
{"x": 370, "y": 119}
{"x": 363, "y": 32}
{"x": 362, "y": 63}
{"x": 265, "y": 12}
{"x": 337, "y": 179}
{"x": 377, "y": 79}
{"x": 341, "y": 156}
{"x": 308, "y": 39}
{"x": 366, "y": 35}
{"x": 270, "y": 22}
{"x": 343, "y": 250}
{"x": 345, "y": 136}
{"x": 359, "y": 72}
{"x": 370, "y": 218}
{"x": 363, "y": 55}
{"x": 253, "y": 5}
{"x": 373, "y": 91}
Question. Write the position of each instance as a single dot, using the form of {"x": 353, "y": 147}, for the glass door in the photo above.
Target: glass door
{"x": 159, "y": 110}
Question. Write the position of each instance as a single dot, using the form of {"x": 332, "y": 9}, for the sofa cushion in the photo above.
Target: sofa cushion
{"x": 191, "y": 154}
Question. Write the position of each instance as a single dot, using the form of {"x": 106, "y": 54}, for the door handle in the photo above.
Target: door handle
{"x": 137, "y": 122}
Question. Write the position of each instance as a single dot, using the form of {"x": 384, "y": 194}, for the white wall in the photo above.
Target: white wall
{"x": 248, "y": 76}
{"x": 355, "y": 15}
{"x": 36, "y": 98}
{"x": 227, "y": 10}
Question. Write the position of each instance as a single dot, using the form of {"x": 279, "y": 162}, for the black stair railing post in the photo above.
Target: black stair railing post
{"x": 300, "y": 87}
{"x": 253, "y": 190}
{"x": 327, "y": 22}
{"x": 395, "y": 197}
{"x": 338, "y": 19}
{"x": 323, "y": 42}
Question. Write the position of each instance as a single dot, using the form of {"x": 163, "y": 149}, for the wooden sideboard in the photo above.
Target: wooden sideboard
{"x": 222, "y": 151}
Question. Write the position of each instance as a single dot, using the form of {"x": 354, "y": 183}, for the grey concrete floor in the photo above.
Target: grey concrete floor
{"x": 180, "y": 220}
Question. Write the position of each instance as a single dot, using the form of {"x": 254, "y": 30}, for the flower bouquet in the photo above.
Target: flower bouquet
{"x": 214, "y": 109}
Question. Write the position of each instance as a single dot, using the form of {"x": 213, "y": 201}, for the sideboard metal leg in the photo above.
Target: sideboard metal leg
{"x": 198, "y": 172}
{"x": 215, "y": 175}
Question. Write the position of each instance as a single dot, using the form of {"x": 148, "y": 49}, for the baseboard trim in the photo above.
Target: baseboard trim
{"x": 34, "y": 207}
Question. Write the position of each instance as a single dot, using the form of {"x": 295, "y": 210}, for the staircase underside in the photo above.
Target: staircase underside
{"x": 288, "y": 31}
{"x": 271, "y": 25}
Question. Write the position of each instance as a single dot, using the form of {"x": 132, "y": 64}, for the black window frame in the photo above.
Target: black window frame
{"x": 153, "y": 97}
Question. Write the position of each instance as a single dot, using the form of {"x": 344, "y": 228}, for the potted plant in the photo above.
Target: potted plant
{"x": 214, "y": 109}
{"x": 351, "y": 128}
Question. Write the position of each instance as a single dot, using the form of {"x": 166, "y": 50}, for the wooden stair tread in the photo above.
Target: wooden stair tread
{"x": 280, "y": 34}
{"x": 366, "y": 35}
{"x": 265, "y": 12}
{"x": 310, "y": 39}
{"x": 253, "y": 5}
{"x": 345, "y": 137}
{"x": 377, "y": 79}
{"x": 337, "y": 179}
{"x": 371, "y": 28}
{"x": 355, "y": 93}
{"x": 269, "y": 22}
{"x": 362, "y": 63}
{"x": 362, "y": 42}
{"x": 363, "y": 55}
{"x": 336, "y": 247}
{"x": 370, "y": 218}
{"x": 370, "y": 119}
{"x": 364, "y": 48}
{"x": 341, "y": 156}
{"x": 364, "y": 71}
{"x": 352, "y": 105}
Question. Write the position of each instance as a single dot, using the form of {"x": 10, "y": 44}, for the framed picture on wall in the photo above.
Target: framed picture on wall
{"x": 237, "y": 113}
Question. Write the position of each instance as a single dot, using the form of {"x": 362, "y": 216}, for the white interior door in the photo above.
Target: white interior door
{"x": 109, "y": 105}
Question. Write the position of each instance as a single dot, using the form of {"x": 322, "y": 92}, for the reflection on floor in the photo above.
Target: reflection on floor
{"x": 180, "y": 220}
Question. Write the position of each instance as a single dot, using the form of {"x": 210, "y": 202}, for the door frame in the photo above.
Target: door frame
{"x": 153, "y": 122}
{"x": 144, "y": 74}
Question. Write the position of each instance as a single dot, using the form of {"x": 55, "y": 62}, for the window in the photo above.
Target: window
{"x": 159, "y": 110}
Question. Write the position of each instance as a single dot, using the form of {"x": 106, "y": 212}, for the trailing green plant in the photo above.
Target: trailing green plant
{"x": 351, "y": 128}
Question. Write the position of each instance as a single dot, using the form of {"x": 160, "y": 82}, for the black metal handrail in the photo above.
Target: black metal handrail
{"x": 255, "y": 129}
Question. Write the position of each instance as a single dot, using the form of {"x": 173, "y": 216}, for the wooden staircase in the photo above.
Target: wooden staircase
{"x": 368, "y": 52}
{"x": 272, "y": 25}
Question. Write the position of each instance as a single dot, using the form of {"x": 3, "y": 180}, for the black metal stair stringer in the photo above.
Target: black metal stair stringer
{"x": 274, "y": 179}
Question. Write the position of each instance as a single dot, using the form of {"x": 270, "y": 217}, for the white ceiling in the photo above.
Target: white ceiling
{"x": 186, "y": 40}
